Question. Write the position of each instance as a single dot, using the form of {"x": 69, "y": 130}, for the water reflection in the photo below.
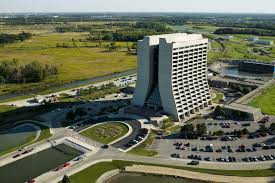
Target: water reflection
{"x": 234, "y": 71}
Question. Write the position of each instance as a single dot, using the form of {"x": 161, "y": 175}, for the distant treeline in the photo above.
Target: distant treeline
{"x": 258, "y": 32}
{"x": 11, "y": 38}
{"x": 133, "y": 34}
{"x": 267, "y": 26}
{"x": 13, "y": 72}
{"x": 89, "y": 28}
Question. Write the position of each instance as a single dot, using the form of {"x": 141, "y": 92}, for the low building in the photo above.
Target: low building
{"x": 228, "y": 37}
{"x": 242, "y": 112}
{"x": 257, "y": 66}
{"x": 264, "y": 42}
{"x": 252, "y": 39}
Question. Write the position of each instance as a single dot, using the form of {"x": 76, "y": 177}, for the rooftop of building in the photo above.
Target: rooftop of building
{"x": 241, "y": 107}
{"x": 175, "y": 37}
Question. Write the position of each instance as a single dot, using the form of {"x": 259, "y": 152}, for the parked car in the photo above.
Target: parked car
{"x": 194, "y": 162}
{"x": 176, "y": 155}
{"x": 16, "y": 156}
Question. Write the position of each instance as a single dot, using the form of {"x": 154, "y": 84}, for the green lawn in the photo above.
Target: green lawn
{"x": 238, "y": 48}
{"x": 266, "y": 101}
{"x": 218, "y": 98}
{"x": 76, "y": 63}
{"x": 44, "y": 134}
{"x": 142, "y": 149}
{"x": 92, "y": 173}
{"x": 6, "y": 108}
{"x": 28, "y": 141}
{"x": 107, "y": 132}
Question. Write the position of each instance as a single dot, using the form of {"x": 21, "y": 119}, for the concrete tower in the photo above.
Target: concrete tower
{"x": 172, "y": 74}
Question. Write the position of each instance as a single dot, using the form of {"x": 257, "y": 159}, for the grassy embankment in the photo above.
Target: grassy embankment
{"x": 44, "y": 134}
{"x": 142, "y": 149}
{"x": 93, "y": 172}
{"x": 266, "y": 101}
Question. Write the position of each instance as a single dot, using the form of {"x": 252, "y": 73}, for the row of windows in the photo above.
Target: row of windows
{"x": 190, "y": 92}
{"x": 186, "y": 53}
{"x": 188, "y": 70}
{"x": 190, "y": 56}
{"x": 197, "y": 62}
{"x": 188, "y": 106}
{"x": 198, "y": 46}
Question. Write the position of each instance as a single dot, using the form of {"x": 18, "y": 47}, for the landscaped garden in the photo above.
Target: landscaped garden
{"x": 106, "y": 133}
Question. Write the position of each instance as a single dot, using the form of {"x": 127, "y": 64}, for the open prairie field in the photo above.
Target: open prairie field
{"x": 81, "y": 60}
{"x": 239, "y": 48}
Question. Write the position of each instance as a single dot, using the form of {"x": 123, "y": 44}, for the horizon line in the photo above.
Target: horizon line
{"x": 110, "y": 12}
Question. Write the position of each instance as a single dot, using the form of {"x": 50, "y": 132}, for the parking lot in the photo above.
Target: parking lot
{"x": 236, "y": 149}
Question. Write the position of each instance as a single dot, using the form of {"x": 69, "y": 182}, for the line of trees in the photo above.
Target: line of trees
{"x": 13, "y": 72}
{"x": 245, "y": 31}
{"x": 189, "y": 130}
{"x": 131, "y": 34}
{"x": 94, "y": 92}
{"x": 11, "y": 38}
{"x": 91, "y": 28}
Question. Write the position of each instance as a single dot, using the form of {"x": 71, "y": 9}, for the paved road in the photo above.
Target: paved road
{"x": 136, "y": 128}
{"x": 76, "y": 83}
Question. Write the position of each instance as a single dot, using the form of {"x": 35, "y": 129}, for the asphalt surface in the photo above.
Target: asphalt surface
{"x": 136, "y": 128}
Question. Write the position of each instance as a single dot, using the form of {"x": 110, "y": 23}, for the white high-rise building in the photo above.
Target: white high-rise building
{"x": 172, "y": 74}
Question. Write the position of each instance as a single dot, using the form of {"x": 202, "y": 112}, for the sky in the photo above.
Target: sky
{"x": 229, "y": 6}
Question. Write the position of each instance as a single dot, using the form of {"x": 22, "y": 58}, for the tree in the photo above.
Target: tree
{"x": 244, "y": 131}
{"x": 201, "y": 129}
{"x": 218, "y": 133}
{"x": 272, "y": 127}
{"x": 263, "y": 129}
{"x": 189, "y": 128}
{"x": 65, "y": 179}
{"x": 219, "y": 111}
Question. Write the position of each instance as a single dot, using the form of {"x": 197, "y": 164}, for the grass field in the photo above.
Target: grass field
{"x": 266, "y": 101}
{"x": 239, "y": 48}
{"x": 81, "y": 62}
{"x": 107, "y": 132}
{"x": 93, "y": 172}
{"x": 6, "y": 108}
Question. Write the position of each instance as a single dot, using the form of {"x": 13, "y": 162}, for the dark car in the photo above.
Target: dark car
{"x": 105, "y": 146}
{"x": 16, "y": 156}
{"x": 194, "y": 162}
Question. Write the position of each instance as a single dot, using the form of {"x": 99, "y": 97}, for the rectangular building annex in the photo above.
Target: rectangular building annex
{"x": 172, "y": 74}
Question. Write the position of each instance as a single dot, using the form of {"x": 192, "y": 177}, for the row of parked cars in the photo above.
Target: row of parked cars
{"x": 142, "y": 134}
{"x": 22, "y": 152}
{"x": 260, "y": 158}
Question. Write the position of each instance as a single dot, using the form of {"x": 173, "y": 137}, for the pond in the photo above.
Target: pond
{"x": 34, "y": 165}
{"x": 16, "y": 136}
{"x": 148, "y": 178}
{"x": 234, "y": 71}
